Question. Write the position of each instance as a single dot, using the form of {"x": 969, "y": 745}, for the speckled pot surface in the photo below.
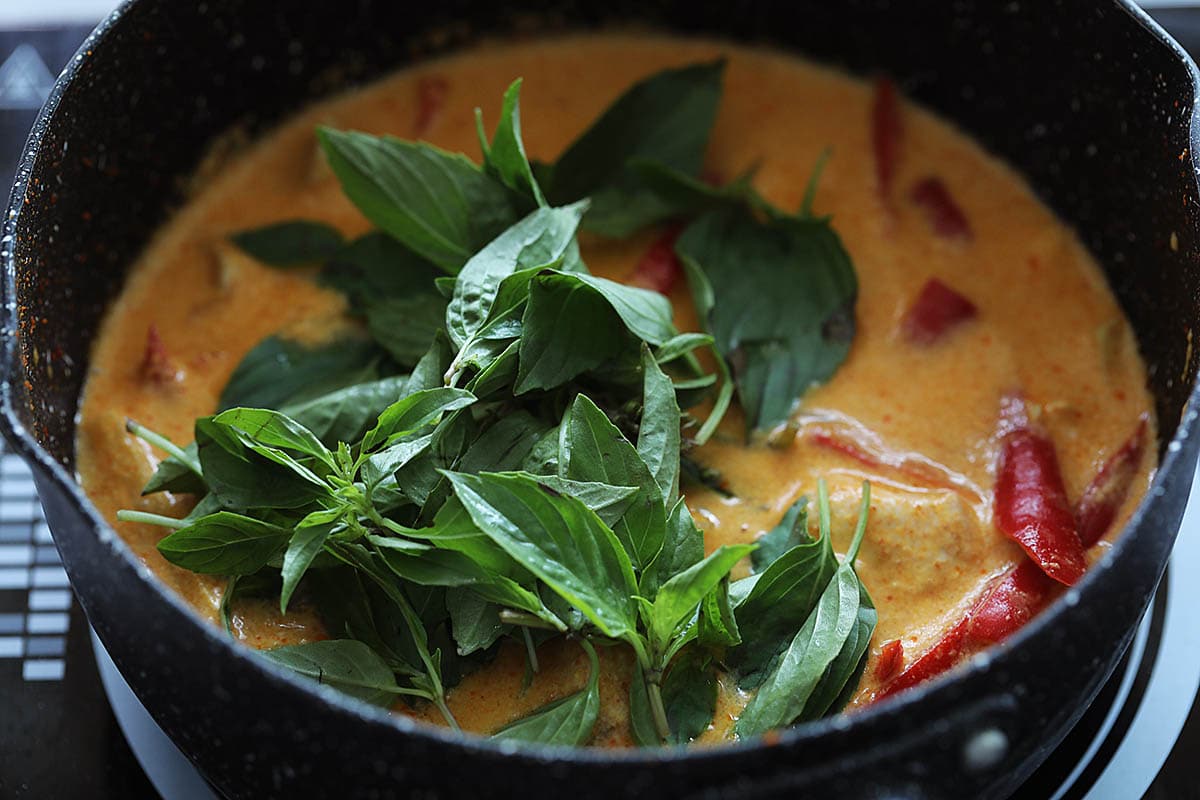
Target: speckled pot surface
{"x": 1088, "y": 99}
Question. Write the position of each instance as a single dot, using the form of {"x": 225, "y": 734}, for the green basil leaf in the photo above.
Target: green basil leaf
{"x": 353, "y": 608}
{"x": 688, "y": 196}
{"x": 224, "y": 544}
{"x": 279, "y": 372}
{"x": 454, "y": 529}
{"x": 609, "y": 502}
{"x": 718, "y": 622}
{"x": 429, "y": 566}
{"x": 785, "y": 316}
{"x": 646, "y": 314}
{"x": 172, "y": 475}
{"x": 683, "y": 546}
{"x": 569, "y": 329}
{"x": 538, "y": 240}
{"x": 375, "y": 267}
{"x": 505, "y": 159}
{"x": 840, "y": 680}
{"x": 384, "y": 464}
{"x": 591, "y": 448}
{"x": 689, "y": 694}
{"x": 307, "y": 541}
{"x": 243, "y": 479}
{"x": 781, "y": 698}
{"x": 405, "y": 326}
{"x": 564, "y": 722}
{"x": 275, "y": 429}
{"x": 345, "y": 414}
{"x": 658, "y": 434}
{"x": 641, "y": 719}
{"x": 681, "y": 345}
{"x": 474, "y": 622}
{"x": 428, "y": 372}
{"x": 667, "y": 118}
{"x": 678, "y": 598}
{"x": 558, "y": 539}
{"x": 290, "y": 244}
{"x": 437, "y": 204}
{"x": 345, "y": 664}
{"x": 504, "y": 445}
{"x": 410, "y": 414}
{"x": 792, "y": 531}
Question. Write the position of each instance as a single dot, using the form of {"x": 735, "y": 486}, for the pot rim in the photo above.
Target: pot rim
{"x": 20, "y": 439}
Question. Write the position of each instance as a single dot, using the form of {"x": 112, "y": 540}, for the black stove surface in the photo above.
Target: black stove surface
{"x": 59, "y": 737}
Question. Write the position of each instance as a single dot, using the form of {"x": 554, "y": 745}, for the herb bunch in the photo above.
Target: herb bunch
{"x": 500, "y": 456}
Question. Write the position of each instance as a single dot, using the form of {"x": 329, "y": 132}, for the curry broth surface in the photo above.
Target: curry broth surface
{"x": 1047, "y": 324}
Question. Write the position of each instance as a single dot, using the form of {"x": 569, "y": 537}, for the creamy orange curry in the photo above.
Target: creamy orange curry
{"x": 921, "y": 420}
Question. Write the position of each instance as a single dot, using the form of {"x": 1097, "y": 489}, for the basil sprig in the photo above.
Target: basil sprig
{"x": 499, "y": 457}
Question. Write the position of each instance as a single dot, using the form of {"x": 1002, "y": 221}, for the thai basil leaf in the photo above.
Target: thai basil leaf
{"x": 474, "y": 622}
{"x": 376, "y": 267}
{"x": 569, "y": 329}
{"x": 646, "y": 314}
{"x": 224, "y": 544}
{"x": 172, "y": 475}
{"x": 275, "y": 429}
{"x": 242, "y": 479}
{"x": 504, "y": 445}
{"x": 428, "y": 372}
{"x": 410, "y": 414}
{"x": 279, "y": 372}
{"x": 836, "y": 686}
{"x": 307, "y": 541}
{"x": 679, "y": 597}
{"x": 781, "y": 698}
{"x": 290, "y": 244}
{"x": 558, "y": 539}
{"x": 454, "y": 529}
{"x": 591, "y": 448}
{"x": 658, "y": 434}
{"x": 384, "y": 464}
{"x": 787, "y": 290}
{"x": 345, "y": 664}
{"x": 345, "y": 414}
{"x": 437, "y": 204}
{"x": 689, "y": 694}
{"x": 609, "y": 502}
{"x": 505, "y": 158}
{"x": 683, "y": 546}
{"x": 667, "y": 118}
{"x": 405, "y": 326}
{"x": 718, "y": 622}
{"x": 540, "y": 239}
{"x": 564, "y": 722}
{"x": 791, "y": 531}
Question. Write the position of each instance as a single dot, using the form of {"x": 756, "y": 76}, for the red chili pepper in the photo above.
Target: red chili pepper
{"x": 431, "y": 97}
{"x": 891, "y": 660}
{"x": 937, "y": 309}
{"x": 659, "y": 269}
{"x": 1030, "y": 502}
{"x": 886, "y": 131}
{"x": 156, "y": 366}
{"x": 1024, "y": 590}
{"x": 1103, "y": 497}
{"x": 948, "y": 651}
{"x": 943, "y": 214}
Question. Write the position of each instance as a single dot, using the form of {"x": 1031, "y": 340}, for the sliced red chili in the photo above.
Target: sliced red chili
{"x": 886, "y": 132}
{"x": 659, "y": 269}
{"x": 936, "y": 310}
{"x": 431, "y": 98}
{"x": 1030, "y": 502}
{"x": 945, "y": 216}
{"x": 1104, "y": 496}
{"x": 891, "y": 660}
{"x": 948, "y": 651}
{"x": 156, "y": 366}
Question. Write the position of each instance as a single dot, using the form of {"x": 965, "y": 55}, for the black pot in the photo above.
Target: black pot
{"x": 1091, "y": 101}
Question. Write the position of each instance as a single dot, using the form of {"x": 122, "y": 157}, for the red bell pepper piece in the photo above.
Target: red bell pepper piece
{"x": 431, "y": 97}
{"x": 659, "y": 270}
{"x": 943, "y": 214}
{"x": 937, "y": 309}
{"x": 886, "y": 132}
{"x": 891, "y": 660}
{"x": 1030, "y": 502}
{"x": 1103, "y": 497}
{"x": 1024, "y": 590}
